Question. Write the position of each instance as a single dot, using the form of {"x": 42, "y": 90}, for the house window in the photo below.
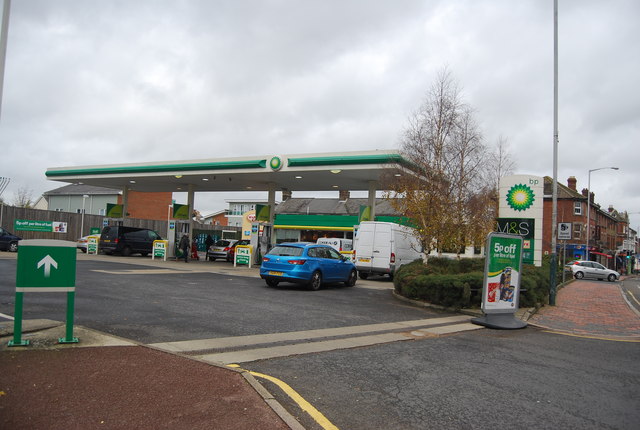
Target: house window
{"x": 577, "y": 230}
{"x": 101, "y": 212}
{"x": 577, "y": 208}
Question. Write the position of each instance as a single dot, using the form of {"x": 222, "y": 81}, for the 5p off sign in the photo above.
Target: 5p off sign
{"x": 501, "y": 289}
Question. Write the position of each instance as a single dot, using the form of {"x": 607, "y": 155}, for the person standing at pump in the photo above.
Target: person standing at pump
{"x": 208, "y": 242}
{"x": 184, "y": 246}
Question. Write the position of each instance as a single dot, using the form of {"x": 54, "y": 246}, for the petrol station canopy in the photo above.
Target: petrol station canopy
{"x": 353, "y": 171}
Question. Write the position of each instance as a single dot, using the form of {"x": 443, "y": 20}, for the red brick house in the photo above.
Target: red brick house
{"x": 607, "y": 226}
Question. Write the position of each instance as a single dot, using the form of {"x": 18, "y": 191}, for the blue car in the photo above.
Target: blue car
{"x": 307, "y": 263}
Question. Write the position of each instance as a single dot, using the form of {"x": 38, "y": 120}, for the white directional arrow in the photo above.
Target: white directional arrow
{"x": 47, "y": 262}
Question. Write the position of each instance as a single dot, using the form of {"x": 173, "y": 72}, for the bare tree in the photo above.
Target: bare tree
{"x": 23, "y": 198}
{"x": 449, "y": 198}
{"x": 501, "y": 163}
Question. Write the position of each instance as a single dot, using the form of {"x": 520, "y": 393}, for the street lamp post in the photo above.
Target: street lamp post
{"x": 589, "y": 207}
{"x": 84, "y": 196}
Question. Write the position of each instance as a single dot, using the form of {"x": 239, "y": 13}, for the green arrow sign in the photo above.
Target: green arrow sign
{"x": 46, "y": 266}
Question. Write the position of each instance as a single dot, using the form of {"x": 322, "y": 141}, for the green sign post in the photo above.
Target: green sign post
{"x": 501, "y": 289}
{"x": 45, "y": 266}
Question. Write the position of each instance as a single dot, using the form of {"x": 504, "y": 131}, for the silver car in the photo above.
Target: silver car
{"x": 221, "y": 249}
{"x": 591, "y": 269}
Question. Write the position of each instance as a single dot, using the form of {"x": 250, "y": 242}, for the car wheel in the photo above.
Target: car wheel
{"x": 212, "y": 259}
{"x": 612, "y": 277}
{"x": 316, "y": 281}
{"x": 144, "y": 254}
{"x": 126, "y": 251}
{"x": 13, "y": 247}
{"x": 363, "y": 275}
{"x": 351, "y": 281}
{"x": 579, "y": 275}
{"x": 272, "y": 282}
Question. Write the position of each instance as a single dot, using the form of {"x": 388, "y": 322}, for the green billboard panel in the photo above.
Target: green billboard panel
{"x": 180, "y": 211}
{"x": 114, "y": 211}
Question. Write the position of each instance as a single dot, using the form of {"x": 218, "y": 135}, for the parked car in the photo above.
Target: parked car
{"x": 8, "y": 241}
{"x": 127, "y": 240}
{"x": 232, "y": 251}
{"x": 81, "y": 243}
{"x": 590, "y": 269}
{"x": 221, "y": 249}
{"x": 307, "y": 263}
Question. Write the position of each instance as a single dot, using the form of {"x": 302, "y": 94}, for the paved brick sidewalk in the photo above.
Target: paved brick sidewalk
{"x": 590, "y": 308}
{"x": 125, "y": 387}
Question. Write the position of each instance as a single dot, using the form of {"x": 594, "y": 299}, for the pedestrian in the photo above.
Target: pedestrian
{"x": 208, "y": 242}
{"x": 184, "y": 247}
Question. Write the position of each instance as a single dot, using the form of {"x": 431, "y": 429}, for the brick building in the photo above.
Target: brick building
{"x": 93, "y": 200}
{"x": 608, "y": 227}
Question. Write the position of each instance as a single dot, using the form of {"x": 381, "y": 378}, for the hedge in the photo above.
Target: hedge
{"x": 458, "y": 283}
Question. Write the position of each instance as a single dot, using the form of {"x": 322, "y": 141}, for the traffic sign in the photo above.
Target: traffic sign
{"x": 564, "y": 230}
{"x": 46, "y": 266}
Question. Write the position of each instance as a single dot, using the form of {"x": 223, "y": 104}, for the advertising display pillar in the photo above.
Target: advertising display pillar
{"x": 501, "y": 287}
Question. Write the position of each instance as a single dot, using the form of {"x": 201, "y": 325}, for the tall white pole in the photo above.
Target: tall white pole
{"x": 4, "y": 34}
{"x": 554, "y": 203}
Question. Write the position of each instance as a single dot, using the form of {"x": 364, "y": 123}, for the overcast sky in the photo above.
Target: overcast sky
{"x": 100, "y": 81}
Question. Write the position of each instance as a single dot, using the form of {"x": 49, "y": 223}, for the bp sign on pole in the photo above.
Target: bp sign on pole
{"x": 501, "y": 288}
{"x": 45, "y": 266}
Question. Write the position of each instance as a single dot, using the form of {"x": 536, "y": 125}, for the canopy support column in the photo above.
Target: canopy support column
{"x": 372, "y": 199}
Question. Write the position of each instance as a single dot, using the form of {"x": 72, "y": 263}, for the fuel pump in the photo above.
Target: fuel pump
{"x": 260, "y": 239}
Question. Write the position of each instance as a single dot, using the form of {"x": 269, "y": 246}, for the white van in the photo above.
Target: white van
{"x": 382, "y": 247}
{"x": 336, "y": 243}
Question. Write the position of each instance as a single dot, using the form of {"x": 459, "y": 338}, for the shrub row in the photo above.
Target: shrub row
{"x": 458, "y": 283}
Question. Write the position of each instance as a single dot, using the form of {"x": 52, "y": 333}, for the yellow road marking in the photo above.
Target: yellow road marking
{"x": 293, "y": 395}
{"x": 592, "y": 337}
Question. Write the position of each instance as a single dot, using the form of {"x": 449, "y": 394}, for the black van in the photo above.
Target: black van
{"x": 127, "y": 240}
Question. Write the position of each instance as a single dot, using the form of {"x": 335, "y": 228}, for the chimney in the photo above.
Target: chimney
{"x": 344, "y": 195}
{"x": 572, "y": 182}
{"x": 585, "y": 192}
{"x": 286, "y": 194}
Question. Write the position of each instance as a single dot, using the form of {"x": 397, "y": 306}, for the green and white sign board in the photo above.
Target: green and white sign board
{"x": 160, "y": 249}
{"x": 521, "y": 201}
{"x": 242, "y": 255}
{"x": 502, "y": 274}
{"x": 92, "y": 244}
{"x": 46, "y": 266}
{"x": 44, "y": 226}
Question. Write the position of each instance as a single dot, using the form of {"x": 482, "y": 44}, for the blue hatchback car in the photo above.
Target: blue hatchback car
{"x": 307, "y": 263}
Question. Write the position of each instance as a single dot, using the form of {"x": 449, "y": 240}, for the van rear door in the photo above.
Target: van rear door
{"x": 373, "y": 247}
